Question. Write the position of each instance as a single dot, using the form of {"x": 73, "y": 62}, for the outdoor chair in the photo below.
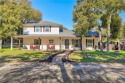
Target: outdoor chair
{"x": 31, "y": 47}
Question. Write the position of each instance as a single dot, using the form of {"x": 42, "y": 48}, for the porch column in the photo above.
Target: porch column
{"x": 11, "y": 43}
{"x": 19, "y": 44}
{"x": 39, "y": 43}
{"x": 60, "y": 43}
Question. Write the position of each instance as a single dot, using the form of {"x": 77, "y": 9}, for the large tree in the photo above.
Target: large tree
{"x": 88, "y": 12}
{"x": 14, "y": 14}
{"x": 115, "y": 26}
{"x": 122, "y": 35}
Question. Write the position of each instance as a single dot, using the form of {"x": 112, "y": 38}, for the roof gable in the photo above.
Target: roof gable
{"x": 43, "y": 23}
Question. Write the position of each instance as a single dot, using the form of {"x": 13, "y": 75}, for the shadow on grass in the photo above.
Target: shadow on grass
{"x": 39, "y": 73}
{"x": 97, "y": 56}
{"x": 24, "y": 57}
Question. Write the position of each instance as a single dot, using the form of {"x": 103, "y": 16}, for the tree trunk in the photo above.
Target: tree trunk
{"x": 100, "y": 40}
{"x": 11, "y": 43}
{"x": 118, "y": 45}
{"x": 19, "y": 44}
{"x": 0, "y": 43}
{"x": 108, "y": 36}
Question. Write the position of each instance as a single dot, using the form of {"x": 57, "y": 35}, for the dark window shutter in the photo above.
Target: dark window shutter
{"x": 93, "y": 43}
{"x": 50, "y": 28}
{"x": 34, "y": 29}
{"x": 41, "y": 29}
{"x": 86, "y": 42}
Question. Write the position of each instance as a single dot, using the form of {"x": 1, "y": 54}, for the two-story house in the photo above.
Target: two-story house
{"x": 48, "y": 35}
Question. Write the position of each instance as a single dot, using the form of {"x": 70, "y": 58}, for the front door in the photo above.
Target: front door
{"x": 66, "y": 43}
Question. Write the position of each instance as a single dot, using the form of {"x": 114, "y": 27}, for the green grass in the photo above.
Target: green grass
{"x": 97, "y": 56}
{"x": 15, "y": 55}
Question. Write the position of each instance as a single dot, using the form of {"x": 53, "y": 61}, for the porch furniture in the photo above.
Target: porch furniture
{"x": 31, "y": 47}
{"x": 50, "y": 46}
{"x": 34, "y": 47}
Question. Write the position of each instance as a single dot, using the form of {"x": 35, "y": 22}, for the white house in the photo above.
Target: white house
{"x": 48, "y": 35}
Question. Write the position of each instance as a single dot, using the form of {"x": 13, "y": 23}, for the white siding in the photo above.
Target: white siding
{"x": 45, "y": 41}
{"x": 30, "y": 30}
{"x": 96, "y": 40}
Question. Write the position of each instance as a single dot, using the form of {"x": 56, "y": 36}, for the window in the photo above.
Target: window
{"x": 37, "y": 29}
{"x": 75, "y": 43}
{"x": 51, "y": 41}
{"x": 47, "y": 29}
{"x": 37, "y": 41}
{"x": 89, "y": 43}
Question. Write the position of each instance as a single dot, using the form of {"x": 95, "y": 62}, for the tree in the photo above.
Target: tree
{"x": 14, "y": 13}
{"x": 87, "y": 13}
{"x": 122, "y": 35}
{"x": 116, "y": 23}
{"x": 112, "y": 7}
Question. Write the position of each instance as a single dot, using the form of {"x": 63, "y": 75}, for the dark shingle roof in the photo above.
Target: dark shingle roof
{"x": 92, "y": 33}
{"x": 43, "y": 23}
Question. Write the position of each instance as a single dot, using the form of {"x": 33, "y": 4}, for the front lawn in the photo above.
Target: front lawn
{"x": 97, "y": 56}
{"x": 6, "y": 55}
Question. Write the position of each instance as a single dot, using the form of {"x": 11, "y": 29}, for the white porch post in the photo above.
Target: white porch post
{"x": 60, "y": 44}
{"x": 11, "y": 43}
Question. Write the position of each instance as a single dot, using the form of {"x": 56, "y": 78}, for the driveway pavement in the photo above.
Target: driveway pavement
{"x": 59, "y": 72}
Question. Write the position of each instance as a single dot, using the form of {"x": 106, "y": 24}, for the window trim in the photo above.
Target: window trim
{"x": 39, "y": 29}
{"x": 46, "y": 26}
{"x": 39, "y": 40}
{"x": 89, "y": 43}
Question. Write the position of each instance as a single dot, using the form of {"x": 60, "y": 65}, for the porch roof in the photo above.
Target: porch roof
{"x": 65, "y": 33}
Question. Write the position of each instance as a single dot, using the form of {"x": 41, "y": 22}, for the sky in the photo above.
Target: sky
{"x": 58, "y": 11}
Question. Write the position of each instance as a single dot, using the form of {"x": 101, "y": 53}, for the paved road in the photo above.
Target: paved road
{"x": 59, "y": 72}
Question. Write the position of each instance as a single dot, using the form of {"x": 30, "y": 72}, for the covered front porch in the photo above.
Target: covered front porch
{"x": 48, "y": 43}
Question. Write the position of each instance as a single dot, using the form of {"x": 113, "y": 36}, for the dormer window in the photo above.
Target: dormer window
{"x": 47, "y": 29}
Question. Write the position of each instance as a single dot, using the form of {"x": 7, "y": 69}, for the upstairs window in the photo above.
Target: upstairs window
{"x": 47, "y": 29}
{"x": 37, "y": 29}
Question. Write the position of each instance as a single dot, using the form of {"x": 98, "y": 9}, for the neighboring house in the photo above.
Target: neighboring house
{"x": 48, "y": 35}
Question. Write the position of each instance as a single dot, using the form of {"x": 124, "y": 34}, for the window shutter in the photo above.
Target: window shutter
{"x": 34, "y": 29}
{"x": 41, "y": 29}
{"x": 50, "y": 28}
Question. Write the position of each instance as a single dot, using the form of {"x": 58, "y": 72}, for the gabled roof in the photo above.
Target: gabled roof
{"x": 43, "y": 23}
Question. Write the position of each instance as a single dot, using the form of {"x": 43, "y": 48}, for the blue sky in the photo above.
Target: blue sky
{"x": 59, "y": 11}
